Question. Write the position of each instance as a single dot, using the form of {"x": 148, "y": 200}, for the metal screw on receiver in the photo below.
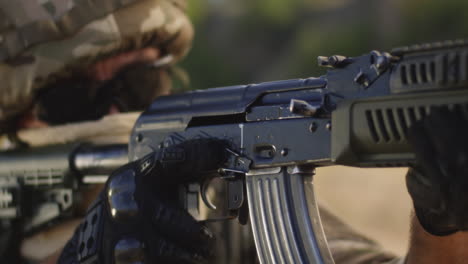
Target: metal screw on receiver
{"x": 313, "y": 127}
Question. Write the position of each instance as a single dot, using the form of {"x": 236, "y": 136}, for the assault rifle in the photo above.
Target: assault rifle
{"x": 357, "y": 114}
{"x": 38, "y": 185}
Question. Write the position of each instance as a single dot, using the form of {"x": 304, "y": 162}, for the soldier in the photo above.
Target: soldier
{"x": 67, "y": 61}
{"x": 82, "y": 50}
{"x": 65, "y": 54}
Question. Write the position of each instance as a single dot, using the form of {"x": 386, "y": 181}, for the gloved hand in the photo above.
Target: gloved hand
{"x": 438, "y": 183}
{"x": 137, "y": 220}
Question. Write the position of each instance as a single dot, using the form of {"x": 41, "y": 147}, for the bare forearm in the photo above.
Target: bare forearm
{"x": 428, "y": 249}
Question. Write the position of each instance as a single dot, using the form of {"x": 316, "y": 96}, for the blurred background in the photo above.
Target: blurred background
{"x": 244, "y": 41}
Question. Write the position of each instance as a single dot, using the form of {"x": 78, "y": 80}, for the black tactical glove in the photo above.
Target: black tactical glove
{"x": 137, "y": 220}
{"x": 438, "y": 183}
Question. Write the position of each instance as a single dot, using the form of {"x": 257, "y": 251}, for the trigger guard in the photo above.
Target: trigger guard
{"x": 203, "y": 191}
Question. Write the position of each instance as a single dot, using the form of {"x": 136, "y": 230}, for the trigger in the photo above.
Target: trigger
{"x": 204, "y": 191}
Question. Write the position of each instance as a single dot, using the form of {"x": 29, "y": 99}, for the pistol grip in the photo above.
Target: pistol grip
{"x": 284, "y": 215}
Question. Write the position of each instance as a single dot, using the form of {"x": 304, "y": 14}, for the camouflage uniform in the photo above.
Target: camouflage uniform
{"x": 44, "y": 39}
{"x": 236, "y": 245}
{"x": 350, "y": 247}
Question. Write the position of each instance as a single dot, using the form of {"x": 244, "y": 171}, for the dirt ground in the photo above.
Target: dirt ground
{"x": 373, "y": 201}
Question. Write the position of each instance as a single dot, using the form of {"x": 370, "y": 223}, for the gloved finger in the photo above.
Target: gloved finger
{"x": 425, "y": 194}
{"x": 442, "y": 128}
{"x": 439, "y": 224}
{"x": 161, "y": 250}
{"x": 161, "y": 213}
{"x": 424, "y": 153}
{"x": 458, "y": 162}
{"x": 460, "y": 151}
{"x": 189, "y": 160}
{"x": 182, "y": 163}
{"x": 448, "y": 134}
{"x": 447, "y": 131}
{"x": 177, "y": 225}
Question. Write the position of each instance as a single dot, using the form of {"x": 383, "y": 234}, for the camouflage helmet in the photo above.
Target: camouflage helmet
{"x": 40, "y": 39}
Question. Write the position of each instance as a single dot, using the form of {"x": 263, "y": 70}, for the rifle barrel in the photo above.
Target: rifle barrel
{"x": 95, "y": 163}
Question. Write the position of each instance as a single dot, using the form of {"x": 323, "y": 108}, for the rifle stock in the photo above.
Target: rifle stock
{"x": 40, "y": 184}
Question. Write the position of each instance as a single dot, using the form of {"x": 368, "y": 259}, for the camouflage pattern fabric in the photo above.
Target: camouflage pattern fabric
{"x": 161, "y": 23}
{"x": 349, "y": 247}
{"x": 346, "y": 245}
{"x": 235, "y": 243}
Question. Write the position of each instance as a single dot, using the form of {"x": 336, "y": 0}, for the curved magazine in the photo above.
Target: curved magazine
{"x": 285, "y": 218}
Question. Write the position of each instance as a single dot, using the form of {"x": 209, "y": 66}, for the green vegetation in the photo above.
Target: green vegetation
{"x": 247, "y": 41}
